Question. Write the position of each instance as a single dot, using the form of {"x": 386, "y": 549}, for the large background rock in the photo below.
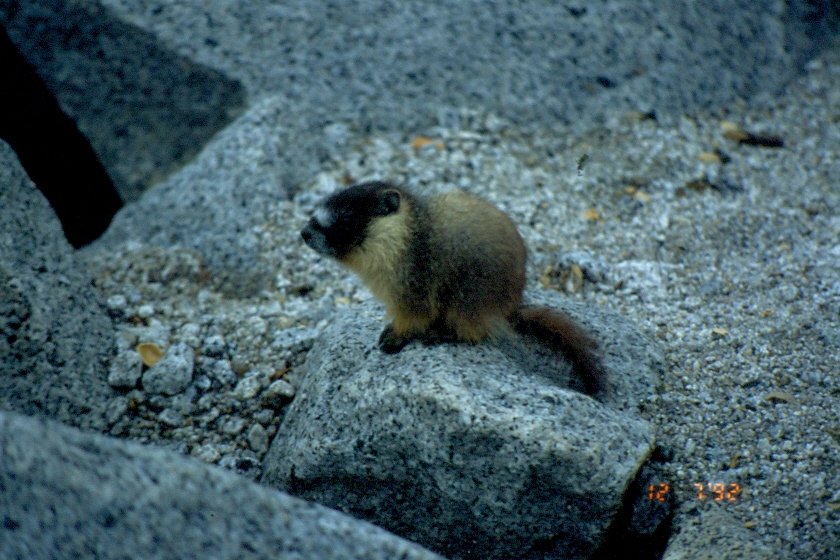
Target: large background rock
{"x": 55, "y": 154}
{"x": 54, "y": 336}
{"x": 398, "y": 65}
{"x": 64, "y": 494}
{"x": 392, "y": 66}
{"x": 475, "y": 451}
{"x": 145, "y": 109}
{"x": 220, "y": 204}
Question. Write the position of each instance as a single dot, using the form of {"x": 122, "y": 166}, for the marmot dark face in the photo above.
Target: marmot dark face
{"x": 341, "y": 222}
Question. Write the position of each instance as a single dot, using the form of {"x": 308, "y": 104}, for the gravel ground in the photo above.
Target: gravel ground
{"x": 727, "y": 253}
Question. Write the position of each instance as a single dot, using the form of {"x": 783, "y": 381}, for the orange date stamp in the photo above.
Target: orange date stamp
{"x": 718, "y": 491}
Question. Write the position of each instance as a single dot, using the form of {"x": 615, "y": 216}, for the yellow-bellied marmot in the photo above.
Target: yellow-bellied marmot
{"x": 448, "y": 267}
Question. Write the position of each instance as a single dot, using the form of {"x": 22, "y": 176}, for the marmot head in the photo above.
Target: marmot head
{"x": 342, "y": 221}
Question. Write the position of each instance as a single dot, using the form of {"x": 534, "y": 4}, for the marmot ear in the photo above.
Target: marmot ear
{"x": 389, "y": 202}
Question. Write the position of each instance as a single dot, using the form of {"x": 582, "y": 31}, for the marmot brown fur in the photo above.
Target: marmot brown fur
{"x": 448, "y": 267}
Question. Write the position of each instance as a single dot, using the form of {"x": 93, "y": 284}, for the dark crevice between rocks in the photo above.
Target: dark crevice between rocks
{"x": 56, "y": 156}
{"x": 813, "y": 26}
{"x": 643, "y": 526}
{"x": 95, "y": 106}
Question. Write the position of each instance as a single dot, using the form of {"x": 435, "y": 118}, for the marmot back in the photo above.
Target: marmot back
{"x": 478, "y": 261}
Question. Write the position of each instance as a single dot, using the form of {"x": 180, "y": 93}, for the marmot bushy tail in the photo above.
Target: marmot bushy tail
{"x": 447, "y": 267}
{"x": 560, "y": 333}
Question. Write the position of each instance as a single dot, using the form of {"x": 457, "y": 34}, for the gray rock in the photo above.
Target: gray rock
{"x": 117, "y": 304}
{"x": 219, "y": 370}
{"x": 217, "y": 204}
{"x": 171, "y": 418}
{"x": 172, "y": 373}
{"x": 214, "y": 346}
{"x": 473, "y": 451}
{"x": 145, "y": 109}
{"x": 207, "y": 453}
{"x": 257, "y": 439}
{"x": 66, "y": 494}
{"x": 713, "y": 534}
{"x": 278, "y": 391}
{"x": 529, "y": 61}
{"x": 203, "y": 383}
{"x": 116, "y": 409}
{"x": 55, "y": 338}
{"x": 126, "y": 369}
{"x": 251, "y": 384}
{"x": 233, "y": 425}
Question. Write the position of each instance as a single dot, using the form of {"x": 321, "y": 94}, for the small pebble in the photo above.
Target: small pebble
{"x": 116, "y": 305}
{"x": 239, "y": 365}
{"x": 116, "y": 409}
{"x": 171, "y": 418}
{"x": 173, "y": 373}
{"x": 125, "y": 369}
{"x": 214, "y": 346}
{"x": 248, "y": 387}
{"x": 145, "y": 311}
{"x": 207, "y": 453}
{"x": 258, "y": 439}
{"x": 189, "y": 334}
{"x": 279, "y": 390}
{"x": 203, "y": 383}
{"x": 264, "y": 416}
{"x": 210, "y": 415}
{"x": 233, "y": 425}
{"x": 156, "y": 332}
{"x": 219, "y": 370}
{"x": 245, "y": 465}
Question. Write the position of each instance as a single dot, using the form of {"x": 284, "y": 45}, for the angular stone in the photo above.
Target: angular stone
{"x": 65, "y": 494}
{"x": 55, "y": 337}
{"x": 172, "y": 373}
{"x": 126, "y": 369}
{"x": 145, "y": 109}
{"x": 474, "y": 451}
